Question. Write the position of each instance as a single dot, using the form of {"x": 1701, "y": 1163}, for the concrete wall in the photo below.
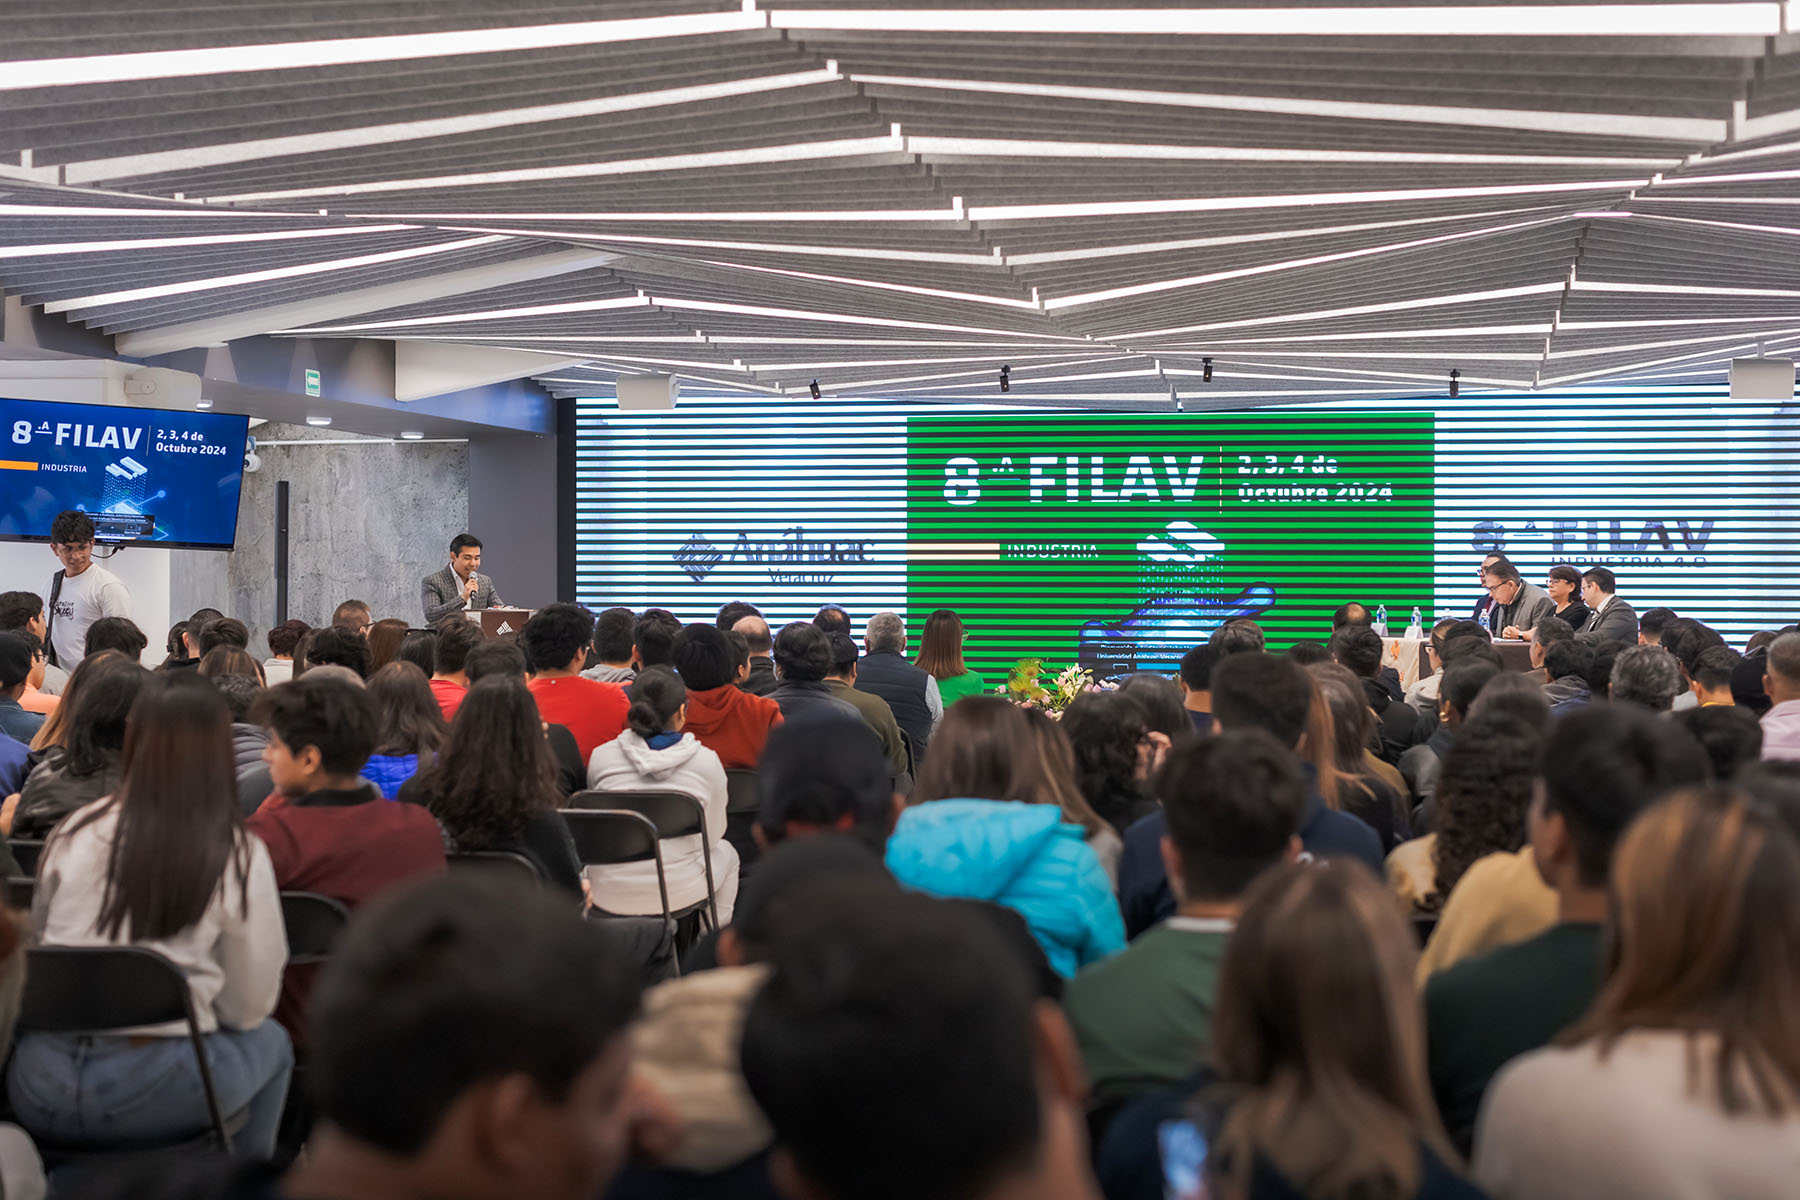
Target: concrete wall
{"x": 366, "y": 519}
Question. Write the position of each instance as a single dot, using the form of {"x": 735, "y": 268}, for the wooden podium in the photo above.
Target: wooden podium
{"x": 500, "y": 622}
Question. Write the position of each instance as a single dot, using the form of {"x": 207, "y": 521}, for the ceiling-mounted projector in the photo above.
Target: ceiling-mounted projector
{"x": 1762, "y": 379}
{"x": 648, "y": 393}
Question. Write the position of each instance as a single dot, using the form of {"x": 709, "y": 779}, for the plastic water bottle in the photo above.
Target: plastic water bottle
{"x": 1486, "y": 626}
{"x": 1417, "y": 628}
{"x": 1381, "y": 620}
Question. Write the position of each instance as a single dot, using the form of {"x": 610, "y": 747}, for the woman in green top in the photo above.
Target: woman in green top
{"x": 941, "y": 657}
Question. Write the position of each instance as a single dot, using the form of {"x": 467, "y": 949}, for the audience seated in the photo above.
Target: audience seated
{"x": 419, "y": 647}
{"x": 653, "y": 638}
{"x": 734, "y": 611}
{"x": 116, "y": 633}
{"x": 328, "y": 830}
{"x": 504, "y": 658}
{"x": 411, "y": 730}
{"x": 493, "y": 784}
{"x": 555, "y": 641}
{"x": 1483, "y": 793}
{"x": 654, "y": 753}
{"x": 941, "y": 657}
{"x": 283, "y": 639}
{"x": 984, "y": 826}
{"x": 832, "y": 618}
{"x": 23, "y": 612}
{"x": 755, "y": 631}
{"x": 1115, "y": 754}
{"x": 1195, "y": 678}
{"x": 1566, "y": 664}
{"x": 824, "y": 775}
{"x": 227, "y": 659}
{"x": 338, "y": 646}
{"x": 175, "y": 651}
{"x": 85, "y": 765}
{"x": 1249, "y": 690}
{"x": 191, "y": 630}
{"x": 33, "y": 699}
{"x": 1731, "y": 736}
{"x": 15, "y": 760}
{"x": 1317, "y": 1084}
{"x": 1683, "y": 1076}
{"x": 1646, "y": 675}
{"x": 899, "y": 1052}
{"x": 456, "y": 640}
{"x": 1709, "y": 676}
{"x": 219, "y": 631}
{"x": 1600, "y": 768}
{"x": 1781, "y": 681}
{"x": 840, "y": 679}
{"x": 730, "y": 722}
{"x": 20, "y": 656}
{"x": 1545, "y": 634}
{"x": 1345, "y": 779}
{"x": 1056, "y": 760}
{"x": 912, "y": 693}
{"x": 1423, "y": 695}
{"x": 1468, "y": 669}
{"x": 1360, "y": 649}
{"x": 615, "y": 640}
{"x": 164, "y": 863}
{"x": 248, "y": 740}
{"x": 802, "y": 660}
{"x": 1144, "y": 1018}
{"x": 385, "y": 637}
{"x": 353, "y": 615}
{"x": 1238, "y": 636}
{"x": 1513, "y": 694}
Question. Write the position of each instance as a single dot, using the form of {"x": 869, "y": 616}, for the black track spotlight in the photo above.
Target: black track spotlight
{"x": 1006, "y": 379}
{"x": 815, "y": 389}
{"x": 1206, "y": 370}
{"x": 1455, "y": 387}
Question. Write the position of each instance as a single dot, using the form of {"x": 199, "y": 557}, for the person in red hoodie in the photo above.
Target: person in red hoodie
{"x": 731, "y": 723}
{"x": 555, "y": 642}
{"x": 329, "y": 830}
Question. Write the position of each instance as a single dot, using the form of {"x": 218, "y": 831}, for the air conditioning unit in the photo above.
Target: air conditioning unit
{"x": 1762, "y": 379}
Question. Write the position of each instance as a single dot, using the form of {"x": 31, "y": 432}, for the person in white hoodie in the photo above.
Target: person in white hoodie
{"x": 654, "y": 755}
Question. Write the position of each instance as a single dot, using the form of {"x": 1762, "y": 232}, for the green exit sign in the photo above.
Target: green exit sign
{"x": 312, "y": 382}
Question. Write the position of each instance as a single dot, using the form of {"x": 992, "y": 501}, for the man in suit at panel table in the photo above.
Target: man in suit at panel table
{"x": 459, "y": 587}
{"x": 1613, "y": 619}
{"x": 1518, "y": 606}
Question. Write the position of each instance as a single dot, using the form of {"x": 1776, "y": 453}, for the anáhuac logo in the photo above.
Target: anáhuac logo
{"x": 791, "y": 558}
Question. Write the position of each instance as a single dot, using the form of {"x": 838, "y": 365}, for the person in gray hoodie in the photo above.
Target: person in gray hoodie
{"x": 654, "y": 754}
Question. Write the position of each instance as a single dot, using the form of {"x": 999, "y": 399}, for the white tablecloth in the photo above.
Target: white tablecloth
{"x": 1405, "y": 655}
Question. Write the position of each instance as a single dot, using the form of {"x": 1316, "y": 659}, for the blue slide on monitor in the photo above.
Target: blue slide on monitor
{"x": 143, "y": 475}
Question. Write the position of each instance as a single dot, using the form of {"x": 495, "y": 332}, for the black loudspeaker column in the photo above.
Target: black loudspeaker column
{"x": 281, "y": 551}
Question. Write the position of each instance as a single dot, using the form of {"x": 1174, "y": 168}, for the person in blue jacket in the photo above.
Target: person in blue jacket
{"x": 985, "y": 825}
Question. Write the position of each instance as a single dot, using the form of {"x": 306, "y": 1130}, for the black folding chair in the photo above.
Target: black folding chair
{"x": 1424, "y": 924}
{"x": 314, "y": 925}
{"x": 743, "y": 800}
{"x": 97, "y": 990}
{"x": 673, "y": 815}
{"x": 20, "y": 889}
{"x": 504, "y": 863}
{"x": 26, "y": 852}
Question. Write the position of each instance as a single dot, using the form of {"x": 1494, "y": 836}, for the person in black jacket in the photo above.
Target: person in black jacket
{"x": 1359, "y": 648}
{"x": 911, "y": 692}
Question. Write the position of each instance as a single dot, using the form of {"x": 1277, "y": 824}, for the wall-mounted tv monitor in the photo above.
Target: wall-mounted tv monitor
{"x": 146, "y": 476}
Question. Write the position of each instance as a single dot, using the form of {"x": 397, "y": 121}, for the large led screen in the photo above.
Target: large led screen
{"x": 1120, "y": 541}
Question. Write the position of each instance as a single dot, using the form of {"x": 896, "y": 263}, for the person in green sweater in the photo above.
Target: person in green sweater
{"x": 1601, "y": 766}
{"x": 941, "y": 657}
{"x": 1143, "y": 1018}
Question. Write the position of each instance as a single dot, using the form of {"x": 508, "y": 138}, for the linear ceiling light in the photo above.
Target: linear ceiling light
{"x": 336, "y": 140}
{"x": 878, "y": 285}
{"x": 841, "y": 148}
{"x": 43, "y": 249}
{"x": 885, "y": 255}
{"x": 1683, "y": 129}
{"x": 101, "y": 299}
{"x": 1398, "y": 20}
{"x": 1123, "y": 208}
{"x": 884, "y": 216}
{"x": 988, "y": 148}
{"x": 1530, "y": 289}
{"x": 287, "y": 56}
{"x": 1380, "y": 335}
{"x": 795, "y": 314}
{"x": 493, "y": 314}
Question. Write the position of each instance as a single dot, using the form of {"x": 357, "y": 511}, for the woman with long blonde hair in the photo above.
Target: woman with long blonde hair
{"x": 1683, "y": 1079}
{"x": 1319, "y": 1049}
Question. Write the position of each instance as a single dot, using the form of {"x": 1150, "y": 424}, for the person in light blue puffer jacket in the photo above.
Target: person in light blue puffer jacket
{"x": 1022, "y": 856}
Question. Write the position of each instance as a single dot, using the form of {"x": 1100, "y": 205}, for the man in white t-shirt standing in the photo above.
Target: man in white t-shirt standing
{"x": 82, "y": 592}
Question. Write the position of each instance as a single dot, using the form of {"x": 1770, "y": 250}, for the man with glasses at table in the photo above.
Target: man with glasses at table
{"x": 1518, "y": 606}
{"x": 1487, "y": 600}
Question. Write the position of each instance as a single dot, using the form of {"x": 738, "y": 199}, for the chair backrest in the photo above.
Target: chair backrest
{"x": 505, "y": 863}
{"x": 741, "y": 791}
{"x": 606, "y": 836}
{"x": 20, "y": 891}
{"x": 93, "y": 989}
{"x": 26, "y": 852}
{"x": 674, "y": 814}
{"x": 314, "y": 925}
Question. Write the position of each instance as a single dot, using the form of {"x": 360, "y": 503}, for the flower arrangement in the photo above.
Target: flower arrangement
{"x": 1026, "y": 685}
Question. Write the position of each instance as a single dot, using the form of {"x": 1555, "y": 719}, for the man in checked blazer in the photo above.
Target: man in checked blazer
{"x": 459, "y": 586}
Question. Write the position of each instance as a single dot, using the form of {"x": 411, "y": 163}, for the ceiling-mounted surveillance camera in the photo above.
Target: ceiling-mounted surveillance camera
{"x": 252, "y": 462}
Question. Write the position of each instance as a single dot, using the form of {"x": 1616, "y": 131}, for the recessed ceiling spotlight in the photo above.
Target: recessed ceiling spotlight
{"x": 1006, "y": 378}
{"x": 412, "y": 435}
{"x": 1206, "y": 370}
{"x": 203, "y": 404}
{"x": 815, "y": 389}
{"x": 320, "y": 422}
